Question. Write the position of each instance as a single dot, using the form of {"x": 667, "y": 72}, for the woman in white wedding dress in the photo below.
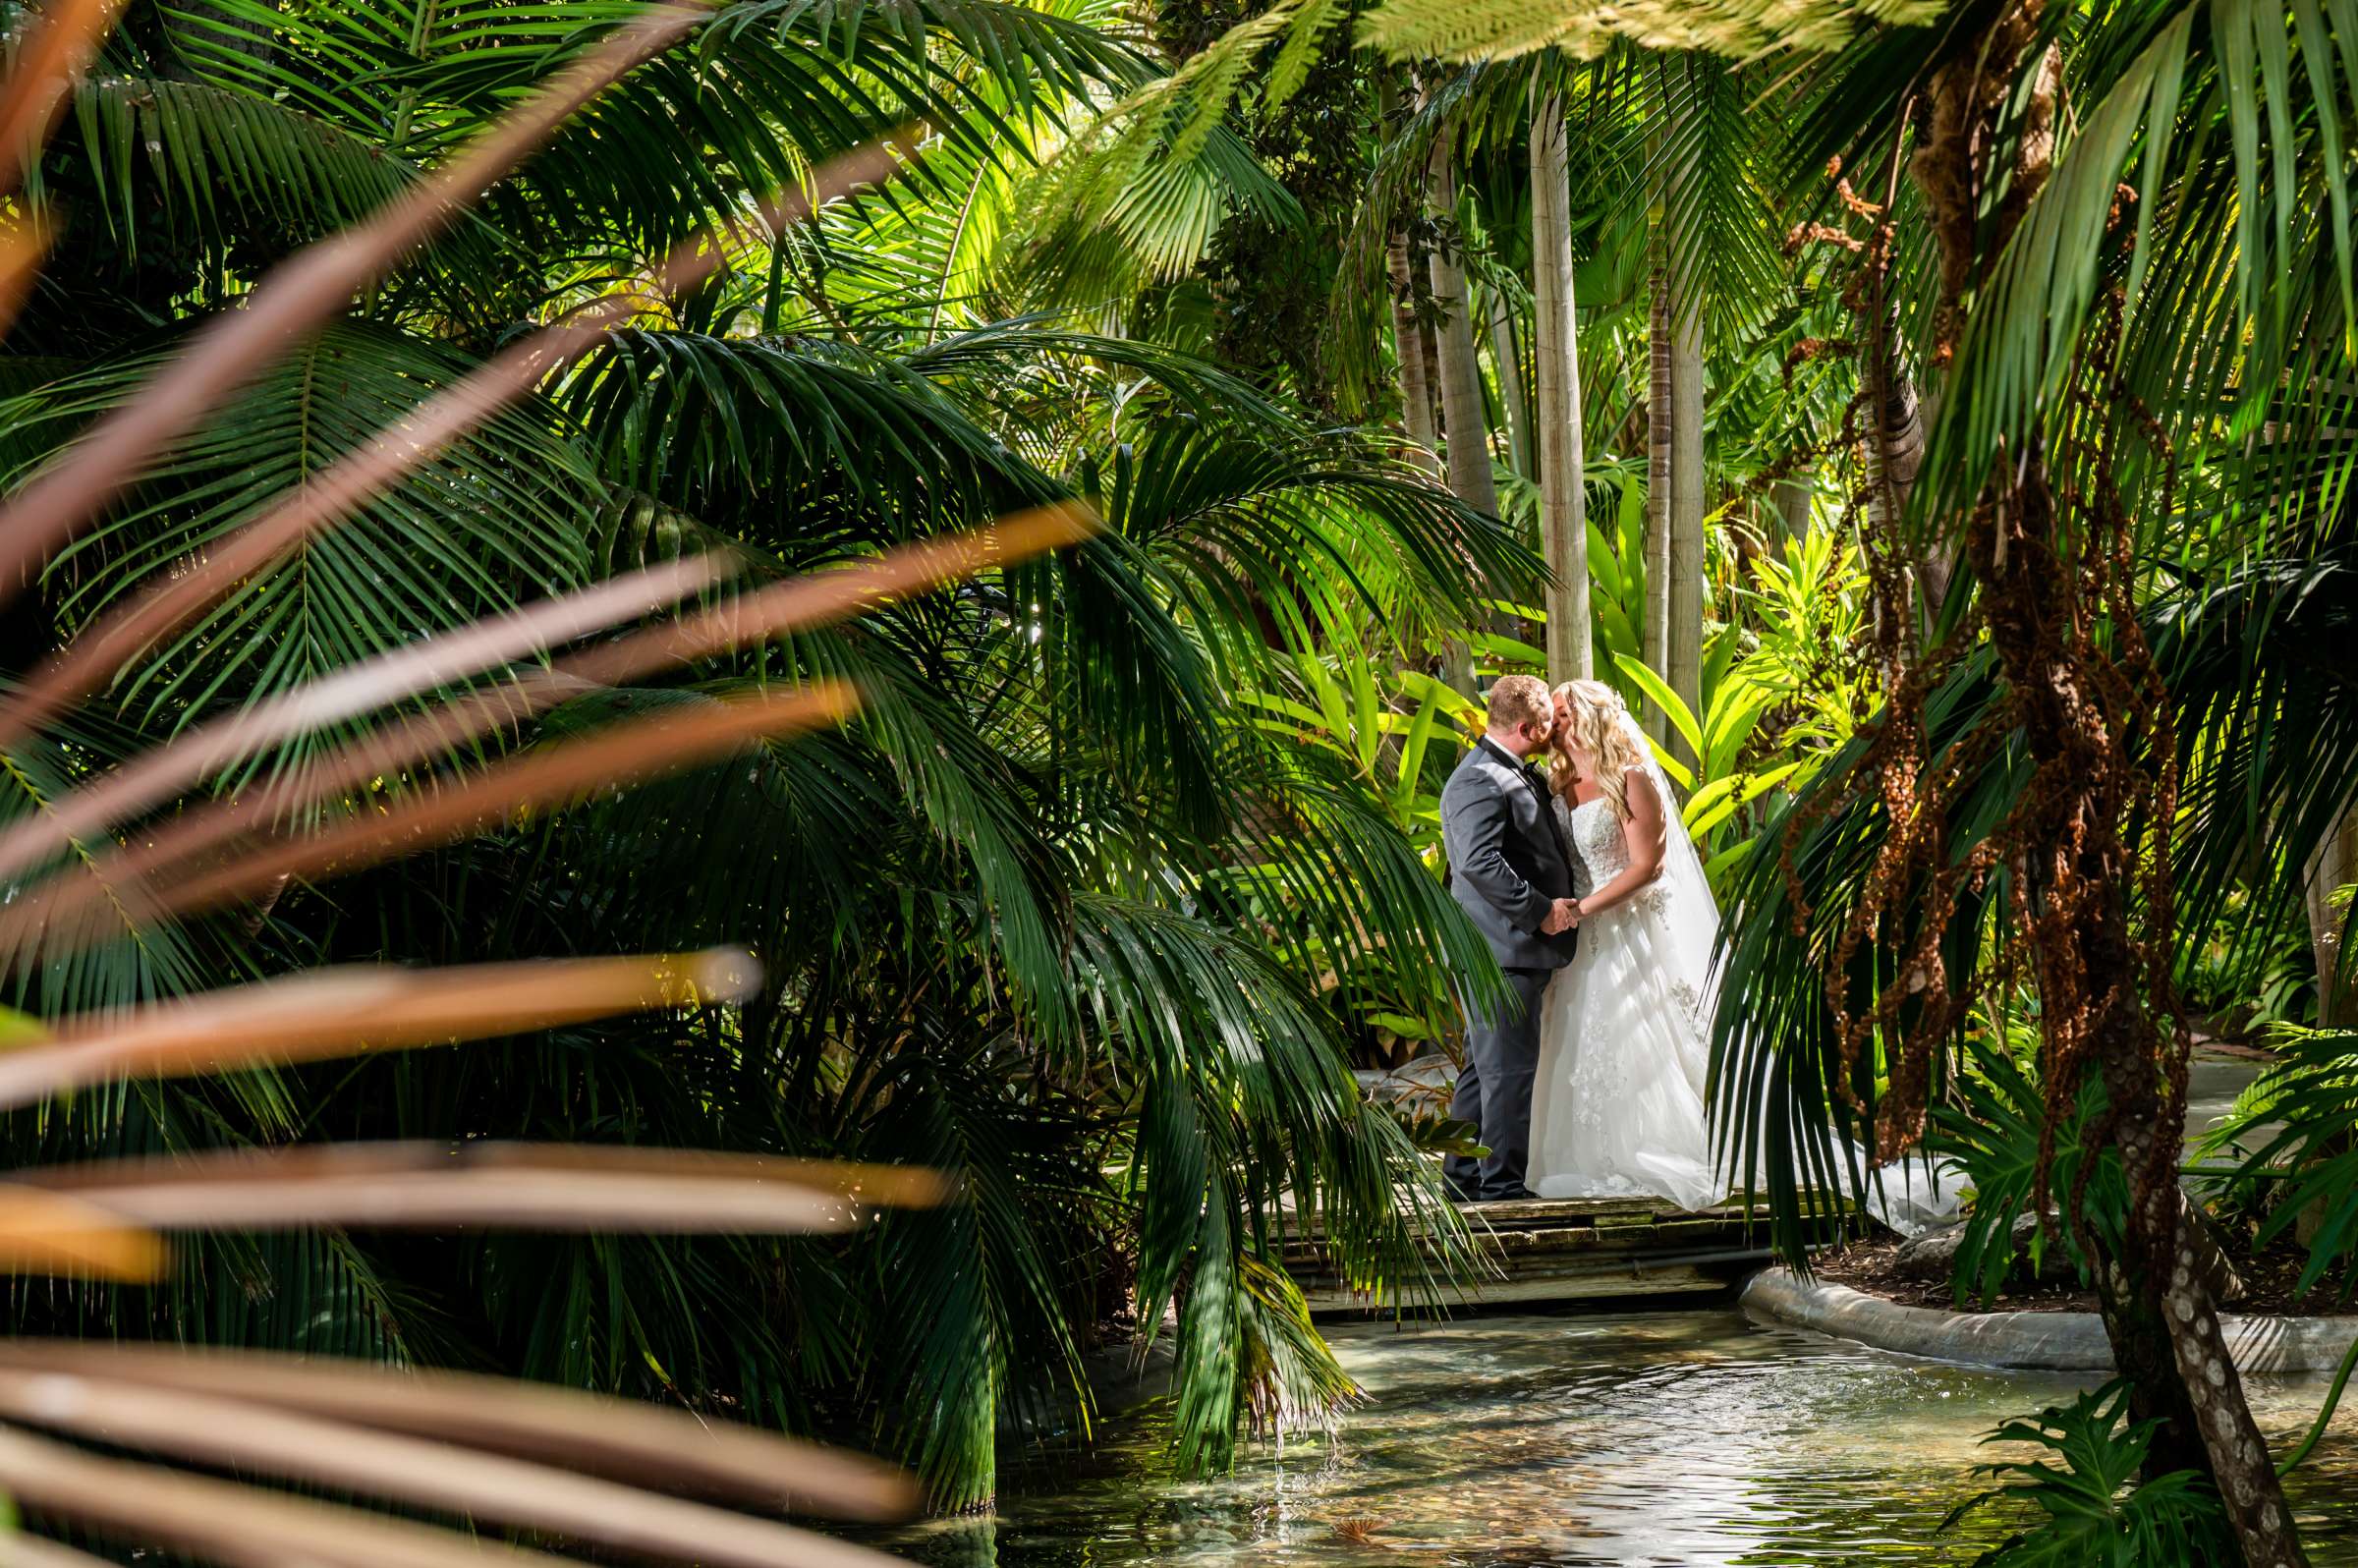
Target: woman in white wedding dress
{"x": 1624, "y": 1035}
{"x": 1617, "y": 1110}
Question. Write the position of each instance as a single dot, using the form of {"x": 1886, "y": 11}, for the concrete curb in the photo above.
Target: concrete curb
{"x": 2031, "y": 1341}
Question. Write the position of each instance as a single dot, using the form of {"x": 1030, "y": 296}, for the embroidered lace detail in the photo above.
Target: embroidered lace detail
{"x": 1596, "y": 834}
{"x": 1600, "y": 852}
{"x": 1621, "y": 1039}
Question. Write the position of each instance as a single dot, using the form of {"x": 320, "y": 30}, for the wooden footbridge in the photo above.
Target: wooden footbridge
{"x": 1556, "y": 1250}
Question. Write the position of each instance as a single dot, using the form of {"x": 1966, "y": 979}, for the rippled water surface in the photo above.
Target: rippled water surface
{"x": 1666, "y": 1437}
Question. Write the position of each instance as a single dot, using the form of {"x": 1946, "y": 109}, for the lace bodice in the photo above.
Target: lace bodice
{"x": 1600, "y": 853}
{"x": 1599, "y": 848}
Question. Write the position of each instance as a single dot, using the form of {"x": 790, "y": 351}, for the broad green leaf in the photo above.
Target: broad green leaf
{"x": 1658, "y": 690}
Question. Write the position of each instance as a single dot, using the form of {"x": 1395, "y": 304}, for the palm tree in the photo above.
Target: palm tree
{"x": 1563, "y": 471}
{"x": 1681, "y": 417}
{"x": 1463, "y": 411}
{"x": 2080, "y": 399}
{"x": 2101, "y": 356}
{"x": 1412, "y": 343}
{"x": 1053, "y": 913}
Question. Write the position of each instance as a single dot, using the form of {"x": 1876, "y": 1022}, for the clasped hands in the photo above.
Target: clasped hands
{"x": 1562, "y": 916}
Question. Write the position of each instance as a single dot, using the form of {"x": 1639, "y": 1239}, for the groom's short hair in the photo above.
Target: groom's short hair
{"x": 1520, "y": 699}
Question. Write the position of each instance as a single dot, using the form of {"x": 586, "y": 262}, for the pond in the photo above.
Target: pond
{"x": 1686, "y": 1437}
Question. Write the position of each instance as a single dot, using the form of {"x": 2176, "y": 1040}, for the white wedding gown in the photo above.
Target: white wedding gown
{"x": 1617, "y": 1110}
{"x": 1617, "y": 1107}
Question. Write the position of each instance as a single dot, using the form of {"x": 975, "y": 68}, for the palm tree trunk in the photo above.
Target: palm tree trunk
{"x": 1655, "y": 648}
{"x": 1794, "y": 500}
{"x": 1412, "y": 345}
{"x": 1465, "y": 427}
{"x": 1415, "y": 365}
{"x": 1685, "y": 673}
{"x": 1683, "y": 668}
{"x": 1895, "y": 427}
{"x": 2158, "y": 1309}
{"x": 1895, "y": 457}
{"x": 1563, "y": 477}
{"x": 2158, "y": 1302}
{"x": 1510, "y": 385}
{"x": 2334, "y": 866}
{"x": 1465, "y": 422}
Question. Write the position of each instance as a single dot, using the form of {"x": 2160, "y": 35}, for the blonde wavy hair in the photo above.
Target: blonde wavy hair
{"x": 1597, "y": 734}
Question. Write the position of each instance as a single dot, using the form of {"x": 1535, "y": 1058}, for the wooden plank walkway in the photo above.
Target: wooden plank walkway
{"x": 1556, "y": 1250}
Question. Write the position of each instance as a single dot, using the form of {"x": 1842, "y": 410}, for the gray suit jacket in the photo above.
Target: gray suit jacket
{"x": 1507, "y": 859}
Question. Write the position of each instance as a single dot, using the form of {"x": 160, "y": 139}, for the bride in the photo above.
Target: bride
{"x": 1625, "y": 1028}
{"x": 1617, "y": 1110}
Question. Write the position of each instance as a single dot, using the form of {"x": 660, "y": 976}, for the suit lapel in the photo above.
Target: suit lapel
{"x": 1539, "y": 791}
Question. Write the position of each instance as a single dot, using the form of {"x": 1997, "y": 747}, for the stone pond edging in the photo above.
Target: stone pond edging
{"x": 2029, "y": 1341}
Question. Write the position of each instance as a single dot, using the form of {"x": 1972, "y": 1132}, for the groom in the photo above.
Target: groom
{"x": 1511, "y": 872}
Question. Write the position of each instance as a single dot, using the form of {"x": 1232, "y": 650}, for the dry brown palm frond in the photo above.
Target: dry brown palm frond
{"x": 227, "y": 1522}
{"x": 798, "y": 605}
{"x": 339, "y": 1012}
{"x": 573, "y": 1188}
{"x": 61, "y": 47}
{"x": 155, "y": 777}
{"x": 73, "y": 914}
{"x": 231, "y": 1432}
{"x": 486, "y": 1447}
{"x": 300, "y": 294}
{"x": 594, "y": 1434}
{"x": 824, "y": 598}
{"x": 91, "y": 898}
{"x": 59, "y": 1234}
{"x": 94, "y": 657}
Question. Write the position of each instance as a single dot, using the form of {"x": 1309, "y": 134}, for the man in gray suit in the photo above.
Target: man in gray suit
{"x": 1511, "y": 873}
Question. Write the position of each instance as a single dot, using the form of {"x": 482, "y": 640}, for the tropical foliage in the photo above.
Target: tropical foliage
{"x": 1960, "y": 488}
{"x": 1054, "y": 914}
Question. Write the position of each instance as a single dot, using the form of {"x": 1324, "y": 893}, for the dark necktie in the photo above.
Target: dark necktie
{"x": 1555, "y": 830}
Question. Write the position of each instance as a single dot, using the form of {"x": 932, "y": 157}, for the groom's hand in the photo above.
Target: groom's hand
{"x": 1562, "y": 916}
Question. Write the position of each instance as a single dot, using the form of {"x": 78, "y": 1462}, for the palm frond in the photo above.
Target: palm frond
{"x": 1740, "y": 30}
{"x": 496, "y": 513}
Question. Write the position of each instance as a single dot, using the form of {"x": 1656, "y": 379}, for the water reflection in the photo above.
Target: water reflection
{"x": 1685, "y": 1438}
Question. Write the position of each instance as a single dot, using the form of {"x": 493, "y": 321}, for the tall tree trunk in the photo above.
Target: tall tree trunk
{"x": 1563, "y": 477}
{"x": 1655, "y": 645}
{"x": 1412, "y": 345}
{"x": 1465, "y": 427}
{"x": 1416, "y": 364}
{"x": 2334, "y": 866}
{"x": 2156, "y": 1297}
{"x": 1894, "y": 457}
{"x": 1510, "y": 385}
{"x": 1895, "y": 426}
{"x": 1465, "y": 422}
{"x": 1685, "y": 673}
{"x": 2157, "y": 1305}
{"x": 1684, "y": 653}
{"x": 1794, "y": 500}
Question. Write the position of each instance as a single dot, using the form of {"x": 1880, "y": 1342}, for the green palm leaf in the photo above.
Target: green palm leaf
{"x": 496, "y": 518}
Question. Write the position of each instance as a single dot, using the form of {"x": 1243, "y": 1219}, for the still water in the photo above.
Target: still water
{"x": 1688, "y": 1438}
